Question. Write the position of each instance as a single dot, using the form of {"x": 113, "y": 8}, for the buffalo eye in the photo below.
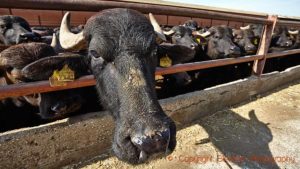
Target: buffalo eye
{"x": 94, "y": 54}
{"x": 178, "y": 36}
{"x": 3, "y": 28}
{"x": 216, "y": 36}
{"x": 97, "y": 59}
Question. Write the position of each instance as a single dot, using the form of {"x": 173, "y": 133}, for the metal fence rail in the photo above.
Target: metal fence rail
{"x": 16, "y": 90}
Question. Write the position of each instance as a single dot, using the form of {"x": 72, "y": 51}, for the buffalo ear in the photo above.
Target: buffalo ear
{"x": 43, "y": 68}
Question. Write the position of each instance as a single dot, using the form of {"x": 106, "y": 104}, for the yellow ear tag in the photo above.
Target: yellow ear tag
{"x": 60, "y": 77}
{"x": 198, "y": 40}
{"x": 165, "y": 61}
{"x": 158, "y": 77}
{"x": 255, "y": 41}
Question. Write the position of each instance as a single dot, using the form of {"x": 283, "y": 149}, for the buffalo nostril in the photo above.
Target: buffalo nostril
{"x": 193, "y": 46}
{"x": 288, "y": 43}
{"x": 234, "y": 50}
{"x": 58, "y": 108}
{"x": 29, "y": 36}
{"x": 150, "y": 144}
{"x": 251, "y": 47}
{"x": 55, "y": 108}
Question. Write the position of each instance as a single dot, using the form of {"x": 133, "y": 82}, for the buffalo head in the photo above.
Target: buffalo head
{"x": 281, "y": 38}
{"x": 15, "y": 30}
{"x": 122, "y": 51}
{"x": 220, "y": 43}
{"x": 246, "y": 40}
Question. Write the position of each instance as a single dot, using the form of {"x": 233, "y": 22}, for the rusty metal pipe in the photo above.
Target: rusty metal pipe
{"x": 96, "y": 5}
{"x": 288, "y": 23}
{"x": 205, "y": 64}
{"x": 22, "y": 89}
{"x": 283, "y": 53}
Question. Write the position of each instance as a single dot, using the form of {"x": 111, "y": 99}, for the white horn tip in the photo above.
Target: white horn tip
{"x": 156, "y": 27}
{"x": 245, "y": 27}
{"x": 54, "y": 41}
{"x": 294, "y": 32}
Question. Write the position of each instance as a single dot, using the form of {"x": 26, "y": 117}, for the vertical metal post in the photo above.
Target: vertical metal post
{"x": 264, "y": 44}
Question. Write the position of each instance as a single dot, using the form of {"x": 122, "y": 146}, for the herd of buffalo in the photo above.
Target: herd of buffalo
{"x": 122, "y": 48}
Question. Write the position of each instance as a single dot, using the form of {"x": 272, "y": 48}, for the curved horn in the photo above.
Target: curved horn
{"x": 54, "y": 41}
{"x": 245, "y": 27}
{"x": 205, "y": 34}
{"x": 69, "y": 40}
{"x": 156, "y": 27}
{"x": 296, "y": 32}
{"x": 170, "y": 32}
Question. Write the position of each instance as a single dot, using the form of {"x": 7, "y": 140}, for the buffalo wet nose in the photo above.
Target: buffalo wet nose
{"x": 288, "y": 43}
{"x": 30, "y": 36}
{"x": 58, "y": 108}
{"x": 156, "y": 142}
{"x": 234, "y": 50}
{"x": 232, "y": 47}
{"x": 251, "y": 47}
{"x": 193, "y": 46}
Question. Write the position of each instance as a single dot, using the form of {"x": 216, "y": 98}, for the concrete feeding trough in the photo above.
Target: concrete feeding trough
{"x": 80, "y": 138}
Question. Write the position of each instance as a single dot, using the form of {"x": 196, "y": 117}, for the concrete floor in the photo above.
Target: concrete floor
{"x": 263, "y": 133}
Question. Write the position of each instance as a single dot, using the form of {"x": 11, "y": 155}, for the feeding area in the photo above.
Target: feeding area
{"x": 83, "y": 78}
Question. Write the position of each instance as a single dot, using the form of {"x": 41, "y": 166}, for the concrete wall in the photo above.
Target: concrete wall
{"x": 83, "y": 137}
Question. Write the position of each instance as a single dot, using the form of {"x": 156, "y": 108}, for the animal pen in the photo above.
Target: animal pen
{"x": 65, "y": 141}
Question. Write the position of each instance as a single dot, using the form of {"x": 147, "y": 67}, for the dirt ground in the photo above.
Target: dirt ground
{"x": 263, "y": 133}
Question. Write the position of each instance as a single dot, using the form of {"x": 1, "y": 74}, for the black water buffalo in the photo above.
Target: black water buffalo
{"x": 220, "y": 43}
{"x": 182, "y": 49}
{"x": 122, "y": 52}
{"x": 246, "y": 41}
{"x": 15, "y": 30}
{"x": 284, "y": 39}
{"x": 217, "y": 42}
{"x": 181, "y": 35}
{"x": 36, "y": 61}
{"x": 281, "y": 39}
{"x": 191, "y": 24}
{"x": 255, "y": 28}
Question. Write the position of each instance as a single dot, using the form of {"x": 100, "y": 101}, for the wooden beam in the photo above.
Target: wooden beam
{"x": 264, "y": 44}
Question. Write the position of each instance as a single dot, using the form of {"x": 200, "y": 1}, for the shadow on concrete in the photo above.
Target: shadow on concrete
{"x": 243, "y": 142}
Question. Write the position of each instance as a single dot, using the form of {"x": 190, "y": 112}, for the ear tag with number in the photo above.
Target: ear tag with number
{"x": 60, "y": 77}
{"x": 165, "y": 61}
